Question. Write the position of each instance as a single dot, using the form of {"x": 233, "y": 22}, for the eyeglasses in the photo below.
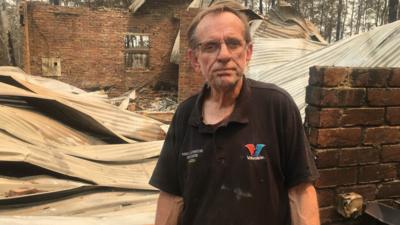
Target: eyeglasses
{"x": 235, "y": 46}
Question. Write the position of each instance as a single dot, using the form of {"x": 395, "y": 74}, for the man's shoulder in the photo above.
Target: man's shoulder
{"x": 186, "y": 106}
{"x": 267, "y": 89}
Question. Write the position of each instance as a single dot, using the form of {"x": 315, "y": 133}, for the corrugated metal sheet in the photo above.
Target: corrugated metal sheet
{"x": 117, "y": 153}
{"x": 37, "y": 129}
{"x": 51, "y": 158}
{"x": 14, "y": 188}
{"x": 198, "y": 4}
{"x": 136, "y": 5}
{"x": 377, "y": 48}
{"x": 285, "y": 22}
{"x": 272, "y": 52}
{"x": 124, "y": 122}
{"x": 65, "y": 137}
{"x": 53, "y": 85}
{"x": 91, "y": 203}
{"x": 138, "y": 219}
{"x": 60, "y": 110}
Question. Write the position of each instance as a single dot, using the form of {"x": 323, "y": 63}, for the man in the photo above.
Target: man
{"x": 236, "y": 153}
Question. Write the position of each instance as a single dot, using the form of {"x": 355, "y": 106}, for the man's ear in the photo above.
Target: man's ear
{"x": 249, "y": 51}
{"x": 192, "y": 55}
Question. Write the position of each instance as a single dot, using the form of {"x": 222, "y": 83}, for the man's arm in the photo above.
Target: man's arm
{"x": 304, "y": 205}
{"x": 169, "y": 209}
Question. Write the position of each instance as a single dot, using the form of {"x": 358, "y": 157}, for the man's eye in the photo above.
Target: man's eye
{"x": 233, "y": 44}
{"x": 210, "y": 47}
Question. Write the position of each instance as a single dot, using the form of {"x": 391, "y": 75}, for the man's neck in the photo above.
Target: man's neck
{"x": 220, "y": 104}
{"x": 225, "y": 98}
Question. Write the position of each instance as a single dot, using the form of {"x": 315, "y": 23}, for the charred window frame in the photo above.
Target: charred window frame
{"x": 136, "y": 53}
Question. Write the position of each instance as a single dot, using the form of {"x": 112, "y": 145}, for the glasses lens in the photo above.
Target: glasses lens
{"x": 212, "y": 47}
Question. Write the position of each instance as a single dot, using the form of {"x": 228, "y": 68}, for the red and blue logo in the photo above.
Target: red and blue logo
{"x": 255, "y": 151}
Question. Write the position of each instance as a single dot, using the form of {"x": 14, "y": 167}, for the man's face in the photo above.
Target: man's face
{"x": 222, "y": 53}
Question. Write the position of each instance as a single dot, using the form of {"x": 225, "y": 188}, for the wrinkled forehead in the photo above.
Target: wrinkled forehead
{"x": 219, "y": 25}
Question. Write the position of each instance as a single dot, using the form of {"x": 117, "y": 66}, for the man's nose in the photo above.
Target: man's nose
{"x": 224, "y": 53}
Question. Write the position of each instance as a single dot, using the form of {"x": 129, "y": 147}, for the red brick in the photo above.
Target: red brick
{"x": 394, "y": 80}
{"x": 327, "y": 158}
{"x": 363, "y": 116}
{"x": 367, "y": 191}
{"x": 357, "y": 156}
{"x": 376, "y": 173}
{"x": 382, "y": 135}
{"x": 393, "y": 115}
{"x": 369, "y": 77}
{"x": 90, "y": 43}
{"x": 328, "y": 76}
{"x": 383, "y": 97}
{"x": 323, "y": 117}
{"x": 337, "y": 176}
{"x": 338, "y": 137}
{"x": 390, "y": 153}
{"x": 333, "y": 97}
{"x": 389, "y": 190}
{"x": 326, "y": 197}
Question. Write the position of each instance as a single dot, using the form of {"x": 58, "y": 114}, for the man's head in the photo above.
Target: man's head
{"x": 220, "y": 45}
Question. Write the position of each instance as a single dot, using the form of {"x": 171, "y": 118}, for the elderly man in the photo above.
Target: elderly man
{"x": 235, "y": 153}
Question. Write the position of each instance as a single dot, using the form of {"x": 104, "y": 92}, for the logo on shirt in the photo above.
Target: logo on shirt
{"x": 255, "y": 151}
{"x": 191, "y": 156}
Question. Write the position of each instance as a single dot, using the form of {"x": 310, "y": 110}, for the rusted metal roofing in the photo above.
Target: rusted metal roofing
{"x": 285, "y": 22}
{"x": 123, "y": 122}
{"x": 376, "y": 48}
{"x": 272, "y": 52}
{"x": 65, "y": 152}
{"x": 138, "y": 219}
{"x": 199, "y": 4}
{"x": 54, "y": 159}
{"x": 136, "y": 5}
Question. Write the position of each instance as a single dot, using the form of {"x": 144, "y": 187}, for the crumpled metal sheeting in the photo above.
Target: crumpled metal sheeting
{"x": 285, "y": 23}
{"x": 376, "y": 48}
{"x": 124, "y": 122}
{"x": 136, "y": 177}
{"x": 52, "y": 84}
{"x": 34, "y": 185}
{"x": 138, "y": 219}
{"x": 37, "y": 129}
{"x": 117, "y": 153}
{"x": 272, "y": 52}
{"x": 60, "y": 107}
{"x": 93, "y": 203}
{"x": 136, "y": 5}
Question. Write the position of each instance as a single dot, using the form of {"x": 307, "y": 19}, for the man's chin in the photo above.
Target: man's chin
{"x": 226, "y": 83}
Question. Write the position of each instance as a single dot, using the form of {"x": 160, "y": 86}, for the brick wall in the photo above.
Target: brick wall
{"x": 189, "y": 82}
{"x": 353, "y": 124}
{"x": 90, "y": 44}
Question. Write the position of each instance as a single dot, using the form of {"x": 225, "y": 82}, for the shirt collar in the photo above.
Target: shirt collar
{"x": 240, "y": 113}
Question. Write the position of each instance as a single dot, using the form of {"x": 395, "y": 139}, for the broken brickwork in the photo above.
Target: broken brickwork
{"x": 353, "y": 124}
{"x": 190, "y": 82}
{"x": 89, "y": 44}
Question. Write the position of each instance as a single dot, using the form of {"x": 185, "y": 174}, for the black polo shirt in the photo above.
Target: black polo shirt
{"x": 239, "y": 172}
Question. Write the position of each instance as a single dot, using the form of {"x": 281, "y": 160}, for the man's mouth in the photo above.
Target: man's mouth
{"x": 222, "y": 72}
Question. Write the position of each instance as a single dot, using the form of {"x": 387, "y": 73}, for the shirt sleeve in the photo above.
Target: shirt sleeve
{"x": 299, "y": 165}
{"x": 165, "y": 174}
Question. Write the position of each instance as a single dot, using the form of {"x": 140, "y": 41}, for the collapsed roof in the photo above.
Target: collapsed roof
{"x": 66, "y": 152}
{"x": 376, "y": 48}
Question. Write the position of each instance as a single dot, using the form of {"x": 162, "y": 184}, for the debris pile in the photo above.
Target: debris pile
{"x": 66, "y": 152}
{"x": 159, "y": 101}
